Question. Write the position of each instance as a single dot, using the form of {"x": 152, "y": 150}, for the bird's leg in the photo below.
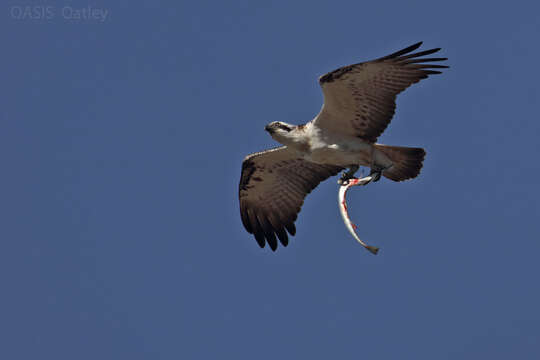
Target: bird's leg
{"x": 376, "y": 171}
{"x": 346, "y": 176}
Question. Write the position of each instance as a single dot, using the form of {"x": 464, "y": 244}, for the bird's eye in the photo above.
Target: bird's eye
{"x": 284, "y": 127}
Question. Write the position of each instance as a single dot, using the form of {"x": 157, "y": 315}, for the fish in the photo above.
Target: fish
{"x": 342, "y": 203}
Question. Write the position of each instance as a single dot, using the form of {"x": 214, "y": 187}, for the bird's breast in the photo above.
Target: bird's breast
{"x": 340, "y": 154}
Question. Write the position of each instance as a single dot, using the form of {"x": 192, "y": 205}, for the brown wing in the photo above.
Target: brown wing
{"x": 359, "y": 100}
{"x": 272, "y": 189}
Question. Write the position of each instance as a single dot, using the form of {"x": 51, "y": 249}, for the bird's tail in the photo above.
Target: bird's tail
{"x": 407, "y": 161}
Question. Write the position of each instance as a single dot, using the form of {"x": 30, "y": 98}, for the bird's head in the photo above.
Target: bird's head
{"x": 281, "y": 132}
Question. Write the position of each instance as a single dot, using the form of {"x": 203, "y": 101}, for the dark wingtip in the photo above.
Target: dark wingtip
{"x": 432, "y": 66}
{"x": 282, "y": 235}
{"x": 260, "y": 241}
{"x": 412, "y": 47}
{"x": 403, "y": 51}
{"x": 291, "y": 228}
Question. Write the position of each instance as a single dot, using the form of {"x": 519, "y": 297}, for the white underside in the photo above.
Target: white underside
{"x": 337, "y": 154}
{"x": 337, "y": 149}
{"x": 325, "y": 146}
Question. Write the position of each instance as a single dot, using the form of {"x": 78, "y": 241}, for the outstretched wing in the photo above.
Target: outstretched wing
{"x": 360, "y": 99}
{"x": 272, "y": 189}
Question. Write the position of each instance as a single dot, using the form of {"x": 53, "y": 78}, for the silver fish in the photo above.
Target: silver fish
{"x": 342, "y": 201}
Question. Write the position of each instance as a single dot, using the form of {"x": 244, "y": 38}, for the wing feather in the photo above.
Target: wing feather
{"x": 272, "y": 189}
{"x": 360, "y": 99}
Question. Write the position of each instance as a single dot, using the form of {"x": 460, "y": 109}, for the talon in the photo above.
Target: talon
{"x": 376, "y": 172}
{"x": 376, "y": 175}
{"x": 347, "y": 175}
{"x": 344, "y": 179}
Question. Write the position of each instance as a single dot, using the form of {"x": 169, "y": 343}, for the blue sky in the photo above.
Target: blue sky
{"x": 121, "y": 145}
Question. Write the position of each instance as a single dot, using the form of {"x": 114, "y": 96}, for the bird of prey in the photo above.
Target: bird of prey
{"x": 359, "y": 102}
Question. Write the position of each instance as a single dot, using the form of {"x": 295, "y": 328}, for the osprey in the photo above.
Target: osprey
{"x": 359, "y": 102}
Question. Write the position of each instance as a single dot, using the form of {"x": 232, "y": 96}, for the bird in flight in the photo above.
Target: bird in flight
{"x": 359, "y": 103}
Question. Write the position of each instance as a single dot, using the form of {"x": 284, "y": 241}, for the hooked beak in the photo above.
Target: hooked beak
{"x": 268, "y": 128}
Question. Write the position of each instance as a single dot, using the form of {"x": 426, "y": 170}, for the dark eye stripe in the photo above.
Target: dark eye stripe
{"x": 284, "y": 127}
